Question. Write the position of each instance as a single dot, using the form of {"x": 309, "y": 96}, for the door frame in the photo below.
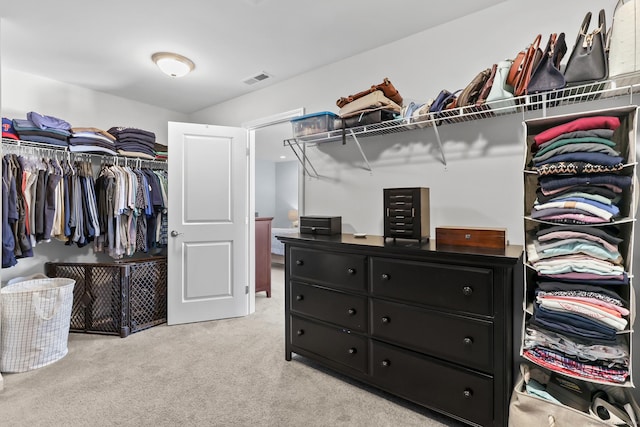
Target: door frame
{"x": 262, "y": 122}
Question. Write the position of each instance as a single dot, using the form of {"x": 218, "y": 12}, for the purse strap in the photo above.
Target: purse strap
{"x": 584, "y": 27}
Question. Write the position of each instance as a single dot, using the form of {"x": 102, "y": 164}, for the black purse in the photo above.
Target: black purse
{"x": 547, "y": 75}
{"x": 588, "y": 60}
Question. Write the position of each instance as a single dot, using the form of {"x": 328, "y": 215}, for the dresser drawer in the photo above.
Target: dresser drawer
{"x": 349, "y": 311}
{"x": 427, "y": 382}
{"x": 450, "y": 337}
{"x": 399, "y": 213}
{"x": 400, "y": 226}
{"x": 332, "y": 343}
{"x": 450, "y": 287}
{"x": 331, "y": 269}
{"x": 399, "y": 194}
{"x": 406, "y": 206}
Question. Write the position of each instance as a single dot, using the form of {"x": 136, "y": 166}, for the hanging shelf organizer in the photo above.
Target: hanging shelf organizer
{"x": 626, "y": 85}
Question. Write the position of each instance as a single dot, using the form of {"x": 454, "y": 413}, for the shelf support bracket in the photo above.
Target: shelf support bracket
{"x": 435, "y": 129}
{"x": 302, "y": 157}
{"x": 355, "y": 138}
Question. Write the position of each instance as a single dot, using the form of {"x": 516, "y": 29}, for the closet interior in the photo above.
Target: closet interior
{"x": 115, "y": 205}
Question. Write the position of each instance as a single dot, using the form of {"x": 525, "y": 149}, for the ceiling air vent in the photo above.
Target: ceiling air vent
{"x": 257, "y": 78}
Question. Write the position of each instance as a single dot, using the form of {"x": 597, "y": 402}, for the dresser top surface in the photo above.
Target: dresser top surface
{"x": 401, "y": 246}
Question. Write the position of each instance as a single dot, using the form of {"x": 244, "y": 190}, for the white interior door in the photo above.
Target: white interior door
{"x": 210, "y": 250}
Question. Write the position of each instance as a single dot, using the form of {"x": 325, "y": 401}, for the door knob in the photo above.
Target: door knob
{"x": 174, "y": 233}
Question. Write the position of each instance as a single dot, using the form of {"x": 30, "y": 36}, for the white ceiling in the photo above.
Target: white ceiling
{"x": 107, "y": 45}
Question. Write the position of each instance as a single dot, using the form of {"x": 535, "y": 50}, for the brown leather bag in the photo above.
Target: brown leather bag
{"x": 523, "y": 65}
{"x": 471, "y": 92}
{"x": 484, "y": 92}
{"x": 386, "y": 87}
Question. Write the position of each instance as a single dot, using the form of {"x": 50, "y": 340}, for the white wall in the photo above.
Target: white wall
{"x": 22, "y": 92}
{"x": 81, "y": 107}
{"x": 481, "y": 181}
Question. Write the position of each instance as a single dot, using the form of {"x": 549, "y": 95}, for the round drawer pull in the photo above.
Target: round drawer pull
{"x": 353, "y": 350}
{"x": 467, "y": 290}
{"x": 351, "y": 271}
{"x": 468, "y": 393}
{"x": 468, "y": 340}
{"x": 299, "y": 262}
{"x": 386, "y": 319}
{"x": 351, "y": 311}
{"x": 386, "y": 363}
{"x": 385, "y": 276}
{"x": 300, "y": 332}
{"x": 299, "y": 297}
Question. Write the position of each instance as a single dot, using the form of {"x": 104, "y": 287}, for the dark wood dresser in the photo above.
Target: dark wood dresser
{"x": 433, "y": 326}
{"x": 263, "y": 255}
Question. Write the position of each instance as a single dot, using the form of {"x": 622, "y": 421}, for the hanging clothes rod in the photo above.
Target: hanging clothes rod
{"x": 31, "y": 147}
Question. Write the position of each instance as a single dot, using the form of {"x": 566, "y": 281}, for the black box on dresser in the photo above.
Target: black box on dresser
{"x": 406, "y": 213}
{"x": 315, "y": 224}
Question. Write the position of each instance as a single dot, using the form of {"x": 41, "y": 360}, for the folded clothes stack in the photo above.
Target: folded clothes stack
{"x": 92, "y": 140}
{"x": 43, "y": 129}
{"x": 7, "y": 129}
{"x": 162, "y": 151}
{"x": 134, "y": 142}
{"x": 581, "y": 309}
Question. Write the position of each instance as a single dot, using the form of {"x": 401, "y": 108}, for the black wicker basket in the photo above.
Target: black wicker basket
{"x": 117, "y": 298}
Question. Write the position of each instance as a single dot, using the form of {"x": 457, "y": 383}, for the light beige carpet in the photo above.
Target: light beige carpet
{"x": 223, "y": 373}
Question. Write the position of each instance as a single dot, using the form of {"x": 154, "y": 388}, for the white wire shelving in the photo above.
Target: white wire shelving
{"x": 620, "y": 86}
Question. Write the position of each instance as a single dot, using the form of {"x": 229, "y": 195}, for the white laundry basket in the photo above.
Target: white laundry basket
{"x": 35, "y": 316}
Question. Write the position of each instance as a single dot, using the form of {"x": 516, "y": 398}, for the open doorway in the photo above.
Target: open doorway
{"x": 276, "y": 175}
{"x": 278, "y": 183}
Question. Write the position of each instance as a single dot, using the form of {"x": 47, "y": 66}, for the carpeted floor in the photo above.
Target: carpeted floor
{"x": 229, "y": 372}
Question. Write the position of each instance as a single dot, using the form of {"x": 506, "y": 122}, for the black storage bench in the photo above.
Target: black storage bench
{"x": 117, "y": 298}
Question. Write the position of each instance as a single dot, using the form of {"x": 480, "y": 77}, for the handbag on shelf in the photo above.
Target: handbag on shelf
{"x": 470, "y": 94}
{"x": 547, "y": 75}
{"x": 523, "y": 65}
{"x": 421, "y": 115}
{"x": 588, "y": 59}
{"x": 500, "y": 98}
{"x": 386, "y": 87}
{"x": 408, "y": 111}
{"x": 443, "y": 100}
{"x": 624, "y": 50}
{"x": 486, "y": 88}
{"x": 372, "y": 101}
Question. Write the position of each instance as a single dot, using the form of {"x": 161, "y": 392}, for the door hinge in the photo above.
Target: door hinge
{"x": 246, "y": 289}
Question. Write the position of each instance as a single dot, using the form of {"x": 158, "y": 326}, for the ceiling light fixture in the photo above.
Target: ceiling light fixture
{"x": 172, "y": 64}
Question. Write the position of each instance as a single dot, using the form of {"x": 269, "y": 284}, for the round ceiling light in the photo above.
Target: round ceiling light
{"x": 172, "y": 64}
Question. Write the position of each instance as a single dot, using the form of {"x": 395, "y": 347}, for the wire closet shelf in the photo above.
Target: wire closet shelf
{"x": 621, "y": 86}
